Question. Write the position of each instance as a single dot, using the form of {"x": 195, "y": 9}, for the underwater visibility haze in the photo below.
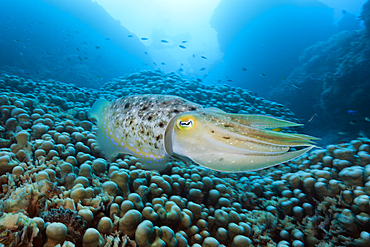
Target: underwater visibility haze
{"x": 184, "y": 123}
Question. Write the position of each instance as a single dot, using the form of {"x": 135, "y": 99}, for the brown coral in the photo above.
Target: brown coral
{"x": 75, "y": 224}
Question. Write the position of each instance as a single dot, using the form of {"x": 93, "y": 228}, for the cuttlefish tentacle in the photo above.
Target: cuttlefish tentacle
{"x": 228, "y": 126}
{"x": 232, "y": 142}
{"x": 260, "y": 121}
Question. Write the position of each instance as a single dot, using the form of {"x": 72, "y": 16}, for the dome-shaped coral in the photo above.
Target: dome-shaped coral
{"x": 72, "y": 220}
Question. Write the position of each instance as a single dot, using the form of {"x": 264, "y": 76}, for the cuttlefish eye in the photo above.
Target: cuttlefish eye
{"x": 185, "y": 124}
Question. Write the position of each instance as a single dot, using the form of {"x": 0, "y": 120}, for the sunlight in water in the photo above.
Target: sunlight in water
{"x": 173, "y": 16}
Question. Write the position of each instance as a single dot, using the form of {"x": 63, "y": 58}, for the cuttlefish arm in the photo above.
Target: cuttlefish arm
{"x": 234, "y": 142}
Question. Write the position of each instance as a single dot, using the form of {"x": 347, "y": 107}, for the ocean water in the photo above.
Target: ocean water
{"x": 163, "y": 123}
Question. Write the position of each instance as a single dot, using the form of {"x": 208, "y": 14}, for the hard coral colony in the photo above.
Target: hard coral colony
{"x": 57, "y": 188}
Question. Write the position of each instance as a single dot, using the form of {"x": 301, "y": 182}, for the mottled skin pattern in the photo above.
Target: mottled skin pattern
{"x": 139, "y": 123}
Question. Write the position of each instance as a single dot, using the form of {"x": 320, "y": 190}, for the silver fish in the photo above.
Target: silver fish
{"x": 155, "y": 128}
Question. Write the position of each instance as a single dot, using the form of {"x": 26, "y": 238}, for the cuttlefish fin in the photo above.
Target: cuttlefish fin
{"x": 104, "y": 139}
{"x": 261, "y": 121}
{"x": 97, "y": 110}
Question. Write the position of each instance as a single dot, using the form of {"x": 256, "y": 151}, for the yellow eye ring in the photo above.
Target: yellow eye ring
{"x": 185, "y": 124}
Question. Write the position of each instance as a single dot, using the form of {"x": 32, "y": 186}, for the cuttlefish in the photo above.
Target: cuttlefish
{"x": 155, "y": 128}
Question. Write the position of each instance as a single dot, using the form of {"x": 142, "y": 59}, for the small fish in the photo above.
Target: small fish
{"x": 205, "y": 76}
{"x": 68, "y": 59}
{"x": 367, "y": 119}
{"x": 155, "y": 63}
{"x": 193, "y": 55}
{"x": 229, "y": 80}
{"x": 203, "y": 57}
{"x": 361, "y": 134}
{"x": 145, "y": 52}
{"x": 202, "y": 69}
{"x": 164, "y": 41}
{"x": 99, "y": 77}
{"x": 182, "y": 47}
{"x": 97, "y": 47}
{"x": 181, "y": 69}
{"x": 296, "y": 86}
{"x": 130, "y": 35}
{"x": 263, "y": 75}
{"x": 181, "y": 64}
{"x": 342, "y": 133}
{"x": 25, "y": 46}
{"x": 163, "y": 63}
{"x": 312, "y": 118}
{"x": 184, "y": 41}
{"x": 353, "y": 122}
{"x": 79, "y": 58}
{"x": 283, "y": 78}
{"x": 315, "y": 78}
{"x": 352, "y": 112}
{"x": 244, "y": 69}
{"x": 107, "y": 38}
{"x": 219, "y": 81}
{"x": 77, "y": 49}
{"x": 17, "y": 40}
{"x": 144, "y": 38}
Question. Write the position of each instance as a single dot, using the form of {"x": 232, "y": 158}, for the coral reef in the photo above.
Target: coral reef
{"x": 57, "y": 188}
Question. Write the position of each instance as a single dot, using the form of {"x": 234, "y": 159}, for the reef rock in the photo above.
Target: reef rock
{"x": 332, "y": 82}
{"x": 365, "y": 15}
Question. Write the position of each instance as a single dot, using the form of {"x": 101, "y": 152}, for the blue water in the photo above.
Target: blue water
{"x": 261, "y": 41}
{"x": 58, "y": 39}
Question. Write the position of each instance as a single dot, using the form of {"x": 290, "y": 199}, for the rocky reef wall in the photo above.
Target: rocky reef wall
{"x": 332, "y": 82}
